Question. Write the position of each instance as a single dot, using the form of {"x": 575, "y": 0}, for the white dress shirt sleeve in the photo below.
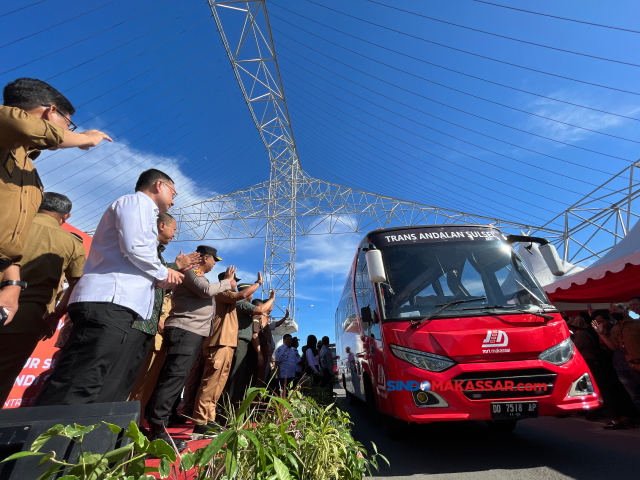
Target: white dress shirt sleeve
{"x": 138, "y": 236}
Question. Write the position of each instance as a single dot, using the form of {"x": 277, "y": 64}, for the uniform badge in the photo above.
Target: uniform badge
{"x": 198, "y": 271}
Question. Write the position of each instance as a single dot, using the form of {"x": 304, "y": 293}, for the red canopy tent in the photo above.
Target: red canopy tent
{"x": 613, "y": 278}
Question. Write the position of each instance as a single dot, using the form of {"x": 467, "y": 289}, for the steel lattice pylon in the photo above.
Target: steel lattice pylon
{"x": 292, "y": 203}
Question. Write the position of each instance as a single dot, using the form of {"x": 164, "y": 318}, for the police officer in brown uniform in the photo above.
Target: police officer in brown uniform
{"x": 49, "y": 253}
{"x": 34, "y": 117}
{"x": 218, "y": 350}
{"x": 189, "y": 322}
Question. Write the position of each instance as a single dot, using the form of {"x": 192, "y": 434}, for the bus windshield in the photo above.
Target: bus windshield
{"x": 422, "y": 277}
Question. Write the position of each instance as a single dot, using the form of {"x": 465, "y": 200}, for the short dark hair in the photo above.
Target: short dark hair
{"x": 151, "y": 176}
{"x": 56, "y": 202}
{"x": 635, "y": 298}
{"x": 257, "y": 301}
{"x": 286, "y": 335}
{"x": 325, "y": 340}
{"x": 30, "y": 93}
{"x": 164, "y": 218}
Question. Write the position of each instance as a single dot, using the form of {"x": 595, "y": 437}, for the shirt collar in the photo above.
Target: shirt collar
{"x": 47, "y": 219}
{"x": 161, "y": 248}
{"x": 155, "y": 207}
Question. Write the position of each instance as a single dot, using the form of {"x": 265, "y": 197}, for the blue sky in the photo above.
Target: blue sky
{"x": 378, "y": 106}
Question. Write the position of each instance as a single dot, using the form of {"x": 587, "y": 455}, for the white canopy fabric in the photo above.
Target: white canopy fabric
{"x": 534, "y": 260}
{"x": 627, "y": 251}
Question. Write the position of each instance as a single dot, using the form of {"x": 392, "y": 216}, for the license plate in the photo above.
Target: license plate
{"x": 513, "y": 410}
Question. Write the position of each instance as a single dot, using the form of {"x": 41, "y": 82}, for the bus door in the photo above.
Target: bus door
{"x": 372, "y": 336}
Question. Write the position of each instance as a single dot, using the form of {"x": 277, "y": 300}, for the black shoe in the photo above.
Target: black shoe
{"x": 210, "y": 430}
{"x": 145, "y": 431}
{"x": 176, "y": 420}
{"x": 180, "y": 444}
{"x": 615, "y": 425}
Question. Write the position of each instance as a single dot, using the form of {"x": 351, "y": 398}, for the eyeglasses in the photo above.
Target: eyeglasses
{"x": 175, "y": 194}
{"x": 72, "y": 126}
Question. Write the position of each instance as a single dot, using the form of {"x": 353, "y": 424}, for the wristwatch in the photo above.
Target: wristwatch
{"x": 19, "y": 283}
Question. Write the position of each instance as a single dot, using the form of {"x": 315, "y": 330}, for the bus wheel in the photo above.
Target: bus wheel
{"x": 502, "y": 426}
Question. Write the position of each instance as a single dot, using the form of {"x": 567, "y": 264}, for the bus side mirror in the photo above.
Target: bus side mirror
{"x": 365, "y": 315}
{"x": 552, "y": 259}
{"x": 375, "y": 266}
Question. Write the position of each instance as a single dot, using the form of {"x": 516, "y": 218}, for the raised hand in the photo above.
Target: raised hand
{"x": 286, "y": 314}
{"x": 597, "y": 327}
{"x": 187, "y": 262}
{"x": 259, "y": 278}
{"x": 272, "y": 294}
{"x": 94, "y": 137}
{"x": 173, "y": 278}
{"x": 230, "y": 273}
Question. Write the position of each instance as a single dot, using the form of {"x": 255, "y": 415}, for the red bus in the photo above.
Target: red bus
{"x": 446, "y": 323}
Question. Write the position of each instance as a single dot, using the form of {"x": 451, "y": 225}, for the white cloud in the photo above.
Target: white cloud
{"x": 327, "y": 254}
{"x": 577, "y": 116}
{"x": 92, "y": 180}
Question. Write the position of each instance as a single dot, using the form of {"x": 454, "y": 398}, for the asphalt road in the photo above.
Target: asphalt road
{"x": 542, "y": 448}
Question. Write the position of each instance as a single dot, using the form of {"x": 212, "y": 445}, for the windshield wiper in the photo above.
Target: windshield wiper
{"x": 416, "y": 324}
{"x": 513, "y": 307}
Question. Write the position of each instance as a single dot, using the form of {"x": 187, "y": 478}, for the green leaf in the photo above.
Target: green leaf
{"x": 188, "y": 461}
{"x": 214, "y": 447}
{"x": 69, "y": 477}
{"x": 114, "y": 428}
{"x": 146, "y": 477}
{"x": 293, "y": 461}
{"x": 281, "y": 470}
{"x": 118, "y": 454}
{"x": 161, "y": 449}
{"x": 46, "y": 458}
{"x": 243, "y": 442}
{"x": 165, "y": 468}
{"x": 15, "y": 456}
{"x": 44, "y": 437}
{"x": 52, "y": 470}
{"x": 136, "y": 467}
{"x": 251, "y": 394}
{"x": 135, "y": 434}
{"x": 78, "y": 430}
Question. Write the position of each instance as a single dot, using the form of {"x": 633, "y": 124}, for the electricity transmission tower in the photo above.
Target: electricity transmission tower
{"x": 293, "y": 203}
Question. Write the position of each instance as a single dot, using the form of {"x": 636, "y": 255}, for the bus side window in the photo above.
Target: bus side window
{"x": 366, "y": 300}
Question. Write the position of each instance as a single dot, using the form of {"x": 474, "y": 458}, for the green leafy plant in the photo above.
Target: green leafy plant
{"x": 298, "y": 435}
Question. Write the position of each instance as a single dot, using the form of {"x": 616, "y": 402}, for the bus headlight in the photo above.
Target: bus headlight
{"x": 559, "y": 354}
{"x": 423, "y": 360}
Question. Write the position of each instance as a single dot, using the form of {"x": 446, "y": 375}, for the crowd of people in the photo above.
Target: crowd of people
{"x": 138, "y": 328}
{"x": 609, "y": 341}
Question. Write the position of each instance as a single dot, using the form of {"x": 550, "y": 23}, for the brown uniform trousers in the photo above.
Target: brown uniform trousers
{"x": 216, "y": 372}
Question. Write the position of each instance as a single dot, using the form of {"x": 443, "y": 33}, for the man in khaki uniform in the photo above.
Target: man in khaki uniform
{"x": 49, "y": 253}
{"x": 34, "y": 117}
{"x": 219, "y": 349}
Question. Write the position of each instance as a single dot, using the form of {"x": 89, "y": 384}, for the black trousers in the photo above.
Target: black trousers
{"x": 124, "y": 373}
{"x": 183, "y": 349}
{"x": 95, "y": 344}
{"x": 235, "y": 384}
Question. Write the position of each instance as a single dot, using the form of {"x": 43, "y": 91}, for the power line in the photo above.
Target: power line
{"x": 460, "y": 50}
{"x": 411, "y": 172}
{"x": 496, "y": 34}
{"x": 125, "y": 131}
{"x": 559, "y": 18}
{"x": 155, "y": 45}
{"x": 22, "y": 8}
{"x": 423, "y": 112}
{"x": 406, "y": 153}
{"x": 58, "y": 24}
{"x": 434, "y": 65}
{"x": 92, "y": 36}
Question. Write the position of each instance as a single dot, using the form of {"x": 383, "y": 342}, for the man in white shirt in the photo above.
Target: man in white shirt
{"x": 116, "y": 288}
{"x": 286, "y": 361}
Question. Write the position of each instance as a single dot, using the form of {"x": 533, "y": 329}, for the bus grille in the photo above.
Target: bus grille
{"x": 542, "y": 382}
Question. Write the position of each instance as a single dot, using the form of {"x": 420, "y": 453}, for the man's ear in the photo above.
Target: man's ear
{"x": 66, "y": 217}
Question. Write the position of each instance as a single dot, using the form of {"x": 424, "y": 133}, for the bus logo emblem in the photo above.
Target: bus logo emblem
{"x": 495, "y": 338}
